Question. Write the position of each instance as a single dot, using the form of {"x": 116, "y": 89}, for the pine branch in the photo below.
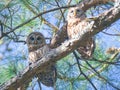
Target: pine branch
{"x": 94, "y": 26}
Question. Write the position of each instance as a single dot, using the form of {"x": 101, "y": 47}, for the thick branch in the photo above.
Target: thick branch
{"x": 61, "y": 35}
{"x": 95, "y": 25}
{"x": 86, "y": 4}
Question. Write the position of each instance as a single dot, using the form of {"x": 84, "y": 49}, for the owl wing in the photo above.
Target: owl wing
{"x": 59, "y": 37}
{"x": 87, "y": 50}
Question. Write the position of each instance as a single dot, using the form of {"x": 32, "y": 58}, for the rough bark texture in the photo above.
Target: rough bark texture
{"x": 95, "y": 26}
{"x": 61, "y": 35}
{"x": 85, "y": 4}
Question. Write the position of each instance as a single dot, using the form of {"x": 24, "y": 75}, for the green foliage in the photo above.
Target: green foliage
{"x": 7, "y": 72}
{"x": 11, "y": 68}
{"x": 7, "y": 4}
{"x": 16, "y": 12}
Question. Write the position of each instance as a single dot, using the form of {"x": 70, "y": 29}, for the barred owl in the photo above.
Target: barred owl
{"x": 74, "y": 18}
{"x": 37, "y": 49}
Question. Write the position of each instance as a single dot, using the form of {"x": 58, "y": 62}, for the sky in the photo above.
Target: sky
{"x": 19, "y": 49}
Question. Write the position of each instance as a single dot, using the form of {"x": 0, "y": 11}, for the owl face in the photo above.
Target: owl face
{"x": 75, "y": 12}
{"x": 35, "y": 39}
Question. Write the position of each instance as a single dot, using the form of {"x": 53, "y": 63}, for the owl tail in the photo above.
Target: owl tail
{"x": 48, "y": 76}
{"x": 87, "y": 51}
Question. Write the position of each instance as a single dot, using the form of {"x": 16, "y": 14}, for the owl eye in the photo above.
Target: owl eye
{"x": 38, "y": 38}
{"x": 31, "y": 38}
{"x": 78, "y": 10}
{"x": 71, "y": 11}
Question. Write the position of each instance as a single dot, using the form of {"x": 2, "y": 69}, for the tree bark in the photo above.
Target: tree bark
{"x": 95, "y": 25}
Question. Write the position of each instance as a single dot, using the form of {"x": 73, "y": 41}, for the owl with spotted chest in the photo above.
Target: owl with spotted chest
{"x": 38, "y": 48}
{"x": 75, "y": 20}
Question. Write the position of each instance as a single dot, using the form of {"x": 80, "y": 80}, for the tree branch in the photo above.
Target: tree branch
{"x": 86, "y": 4}
{"x": 94, "y": 26}
{"x": 61, "y": 35}
{"x": 24, "y": 23}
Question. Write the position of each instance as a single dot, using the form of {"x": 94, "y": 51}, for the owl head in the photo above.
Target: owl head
{"x": 75, "y": 13}
{"x": 35, "y": 40}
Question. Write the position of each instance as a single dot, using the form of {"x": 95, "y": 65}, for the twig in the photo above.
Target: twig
{"x": 66, "y": 48}
{"x": 49, "y": 3}
{"x": 60, "y": 10}
{"x": 110, "y": 34}
{"x": 16, "y": 40}
{"x": 98, "y": 74}
{"x": 104, "y": 61}
{"x": 77, "y": 58}
{"x": 26, "y": 3}
{"x": 1, "y": 31}
{"x": 22, "y": 24}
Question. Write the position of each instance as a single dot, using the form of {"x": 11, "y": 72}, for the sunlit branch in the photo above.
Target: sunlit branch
{"x": 84, "y": 5}
{"x": 95, "y": 25}
{"x": 40, "y": 17}
{"x": 105, "y": 61}
{"x": 24, "y": 23}
{"x": 7, "y": 4}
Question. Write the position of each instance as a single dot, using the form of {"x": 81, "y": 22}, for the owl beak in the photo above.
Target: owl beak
{"x": 75, "y": 13}
{"x": 35, "y": 42}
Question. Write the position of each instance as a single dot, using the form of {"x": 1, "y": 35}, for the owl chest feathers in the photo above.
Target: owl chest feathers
{"x": 38, "y": 54}
{"x": 75, "y": 28}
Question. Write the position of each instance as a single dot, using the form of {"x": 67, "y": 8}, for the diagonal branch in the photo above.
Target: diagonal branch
{"x": 86, "y": 4}
{"x": 98, "y": 74}
{"x": 24, "y": 23}
{"x": 81, "y": 72}
{"x": 41, "y": 18}
{"x": 94, "y": 26}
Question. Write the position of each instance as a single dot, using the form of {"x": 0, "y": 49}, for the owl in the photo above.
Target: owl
{"x": 38, "y": 48}
{"x": 75, "y": 20}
